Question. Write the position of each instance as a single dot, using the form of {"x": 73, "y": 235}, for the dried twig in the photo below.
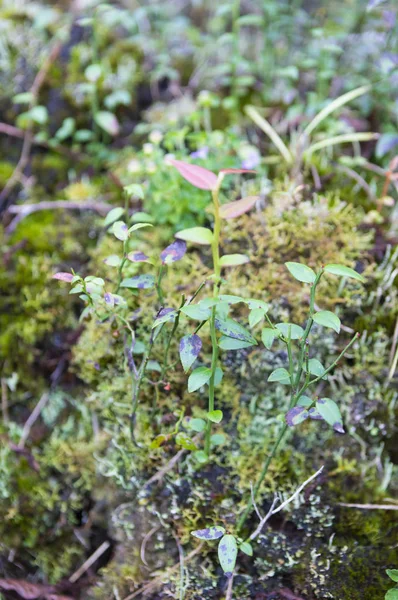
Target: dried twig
{"x": 370, "y": 506}
{"x": 32, "y": 419}
{"x": 273, "y": 511}
{"x": 90, "y": 561}
{"x": 146, "y": 539}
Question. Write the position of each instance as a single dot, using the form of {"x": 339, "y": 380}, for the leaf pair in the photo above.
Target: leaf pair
{"x": 325, "y": 409}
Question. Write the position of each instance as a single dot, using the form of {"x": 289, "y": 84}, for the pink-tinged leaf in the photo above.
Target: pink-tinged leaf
{"x": 63, "y": 277}
{"x": 235, "y": 209}
{"x": 173, "y": 252}
{"x": 197, "y": 176}
{"x": 226, "y": 171}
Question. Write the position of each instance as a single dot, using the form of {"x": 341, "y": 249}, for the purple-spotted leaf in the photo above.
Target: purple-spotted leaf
{"x": 164, "y": 316}
{"x": 120, "y": 230}
{"x": 235, "y": 209}
{"x": 67, "y": 277}
{"x": 315, "y": 414}
{"x": 233, "y": 260}
{"x": 137, "y": 257}
{"x": 196, "y": 235}
{"x": 330, "y": 412}
{"x": 210, "y": 533}
{"x": 190, "y": 346}
{"x": 296, "y": 415}
{"x": 227, "y": 553}
{"x": 109, "y": 299}
{"x": 234, "y": 330}
{"x": 140, "y": 282}
{"x": 173, "y": 252}
{"x": 197, "y": 176}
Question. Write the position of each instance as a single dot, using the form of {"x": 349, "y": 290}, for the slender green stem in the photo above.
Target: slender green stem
{"x": 261, "y": 478}
{"x": 159, "y": 285}
{"x": 120, "y": 269}
{"x": 216, "y": 288}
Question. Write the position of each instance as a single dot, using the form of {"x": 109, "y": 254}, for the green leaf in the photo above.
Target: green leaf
{"x": 330, "y": 412}
{"x": 198, "y": 378}
{"x": 304, "y": 401}
{"x": 233, "y": 260}
{"x": 343, "y": 272}
{"x": 197, "y": 425}
{"x": 231, "y": 299}
{"x": 327, "y": 319}
{"x": 190, "y": 346}
{"x": 196, "y": 311}
{"x": 232, "y": 329}
{"x": 140, "y": 282}
{"x": 255, "y": 316}
{"x": 295, "y": 332}
{"x": 113, "y": 260}
{"x": 182, "y": 439}
{"x": 227, "y": 343}
{"x": 301, "y": 272}
{"x": 218, "y": 375}
{"x": 227, "y": 553}
{"x": 393, "y": 574}
{"x": 201, "y": 457}
{"x": 139, "y": 226}
{"x": 120, "y": 231}
{"x": 134, "y": 189}
{"x": 217, "y": 439}
{"x": 281, "y": 375}
{"x": 107, "y": 121}
{"x": 392, "y": 594}
{"x": 252, "y": 303}
{"x": 215, "y": 416}
{"x": 246, "y": 548}
{"x": 196, "y": 235}
{"x": 296, "y": 415}
{"x": 315, "y": 367}
{"x": 268, "y": 336}
{"x": 210, "y": 533}
{"x": 113, "y": 215}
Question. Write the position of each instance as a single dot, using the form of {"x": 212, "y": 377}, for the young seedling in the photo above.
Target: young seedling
{"x": 213, "y": 310}
{"x": 303, "y": 372}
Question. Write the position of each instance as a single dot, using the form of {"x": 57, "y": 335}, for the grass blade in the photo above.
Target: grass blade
{"x": 270, "y": 131}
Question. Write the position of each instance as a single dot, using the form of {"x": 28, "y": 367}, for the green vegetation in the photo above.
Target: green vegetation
{"x": 199, "y": 300}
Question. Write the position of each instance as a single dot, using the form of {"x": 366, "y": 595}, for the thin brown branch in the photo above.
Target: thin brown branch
{"x": 23, "y": 210}
{"x": 89, "y": 562}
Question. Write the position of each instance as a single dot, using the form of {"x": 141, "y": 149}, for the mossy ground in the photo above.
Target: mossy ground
{"x": 80, "y": 479}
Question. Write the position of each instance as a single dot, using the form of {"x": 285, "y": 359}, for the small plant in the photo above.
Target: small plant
{"x": 301, "y": 373}
{"x": 213, "y": 310}
{"x": 392, "y": 594}
{"x": 105, "y": 304}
